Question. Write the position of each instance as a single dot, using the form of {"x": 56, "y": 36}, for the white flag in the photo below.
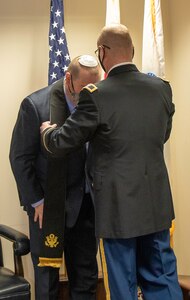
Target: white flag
{"x": 153, "y": 61}
{"x": 112, "y": 12}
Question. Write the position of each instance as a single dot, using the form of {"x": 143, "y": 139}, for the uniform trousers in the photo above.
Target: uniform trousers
{"x": 147, "y": 261}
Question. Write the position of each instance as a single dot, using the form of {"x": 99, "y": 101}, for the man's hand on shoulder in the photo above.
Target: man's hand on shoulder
{"x": 46, "y": 125}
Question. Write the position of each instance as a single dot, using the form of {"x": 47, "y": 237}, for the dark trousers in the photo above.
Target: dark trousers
{"x": 147, "y": 261}
{"x": 80, "y": 254}
{"x": 46, "y": 278}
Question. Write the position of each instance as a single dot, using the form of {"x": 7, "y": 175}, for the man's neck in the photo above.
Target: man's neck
{"x": 120, "y": 64}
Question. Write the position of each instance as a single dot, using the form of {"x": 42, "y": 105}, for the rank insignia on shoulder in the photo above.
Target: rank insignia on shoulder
{"x": 90, "y": 87}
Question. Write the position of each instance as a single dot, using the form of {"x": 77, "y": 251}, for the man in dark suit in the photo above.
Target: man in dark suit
{"x": 30, "y": 168}
{"x": 127, "y": 118}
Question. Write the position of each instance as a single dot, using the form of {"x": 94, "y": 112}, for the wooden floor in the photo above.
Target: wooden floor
{"x": 64, "y": 292}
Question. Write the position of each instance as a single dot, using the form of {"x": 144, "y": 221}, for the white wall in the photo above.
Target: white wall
{"x": 24, "y": 29}
{"x": 179, "y": 61}
{"x": 23, "y": 61}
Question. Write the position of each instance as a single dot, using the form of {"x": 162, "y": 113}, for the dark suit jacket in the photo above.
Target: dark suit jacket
{"x": 128, "y": 119}
{"x": 29, "y": 160}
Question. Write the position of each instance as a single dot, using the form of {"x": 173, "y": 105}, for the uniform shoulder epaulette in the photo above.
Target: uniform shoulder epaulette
{"x": 90, "y": 87}
{"x": 165, "y": 80}
{"x": 162, "y": 78}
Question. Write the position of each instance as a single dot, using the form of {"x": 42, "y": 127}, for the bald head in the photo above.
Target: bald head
{"x": 118, "y": 39}
{"x": 82, "y": 70}
{"x": 88, "y": 64}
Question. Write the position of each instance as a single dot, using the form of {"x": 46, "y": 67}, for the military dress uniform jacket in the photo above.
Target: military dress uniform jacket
{"x": 127, "y": 118}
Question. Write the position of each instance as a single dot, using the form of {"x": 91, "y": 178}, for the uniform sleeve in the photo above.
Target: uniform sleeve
{"x": 77, "y": 130}
{"x": 24, "y": 149}
{"x": 171, "y": 111}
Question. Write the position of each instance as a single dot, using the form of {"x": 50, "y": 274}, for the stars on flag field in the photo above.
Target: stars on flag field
{"x": 59, "y": 58}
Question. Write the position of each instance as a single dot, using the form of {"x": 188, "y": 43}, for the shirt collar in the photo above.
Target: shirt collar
{"x": 118, "y": 65}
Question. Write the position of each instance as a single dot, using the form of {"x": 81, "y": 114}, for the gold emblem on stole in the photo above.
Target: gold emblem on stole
{"x": 51, "y": 240}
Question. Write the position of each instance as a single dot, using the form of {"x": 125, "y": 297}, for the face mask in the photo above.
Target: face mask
{"x": 101, "y": 61}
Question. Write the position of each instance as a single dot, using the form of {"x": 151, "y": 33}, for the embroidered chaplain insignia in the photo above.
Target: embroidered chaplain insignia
{"x": 51, "y": 240}
{"x": 90, "y": 87}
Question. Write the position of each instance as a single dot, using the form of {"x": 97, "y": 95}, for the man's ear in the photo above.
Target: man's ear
{"x": 133, "y": 52}
{"x": 68, "y": 78}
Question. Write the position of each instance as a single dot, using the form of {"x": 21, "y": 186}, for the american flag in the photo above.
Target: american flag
{"x": 58, "y": 52}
